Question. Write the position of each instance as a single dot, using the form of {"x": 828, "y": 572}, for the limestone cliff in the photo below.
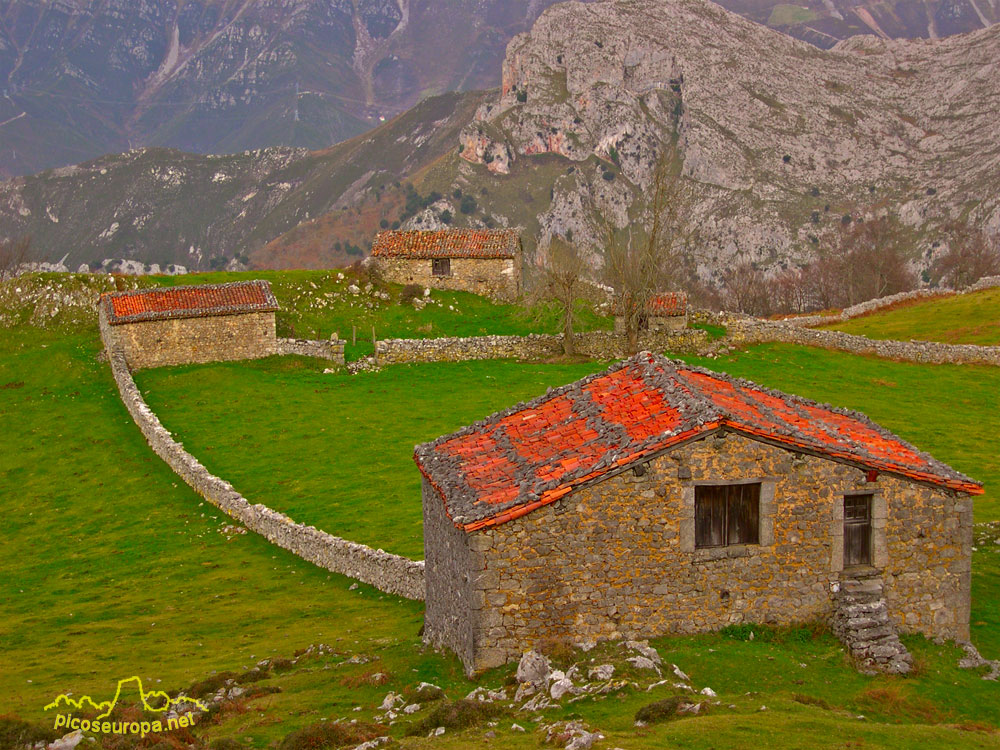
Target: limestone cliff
{"x": 782, "y": 139}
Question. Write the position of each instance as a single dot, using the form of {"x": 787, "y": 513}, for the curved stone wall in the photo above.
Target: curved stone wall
{"x": 743, "y": 330}
{"x": 390, "y": 573}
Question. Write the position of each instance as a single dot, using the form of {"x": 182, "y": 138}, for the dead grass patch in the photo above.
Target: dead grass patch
{"x": 896, "y": 701}
{"x": 371, "y": 678}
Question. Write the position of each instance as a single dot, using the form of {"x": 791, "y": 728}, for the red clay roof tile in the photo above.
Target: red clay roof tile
{"x": 188, "y": 302}
{"x": 447, "y": 243}
{"x": 532, "y": 454}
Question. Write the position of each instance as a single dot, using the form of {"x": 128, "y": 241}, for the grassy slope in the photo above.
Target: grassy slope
{"x": 307, "y": 311}
{"x": 962, "y": 319}
{"x": 362, "y": 428}
{"x": 111, "y": 569}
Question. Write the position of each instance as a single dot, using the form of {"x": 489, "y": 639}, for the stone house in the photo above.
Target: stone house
{"x": 667, "y": 311}
{"x": 186, "y": 324}
{"x": 657, "y": 497}
{"x": 482, "y": 261}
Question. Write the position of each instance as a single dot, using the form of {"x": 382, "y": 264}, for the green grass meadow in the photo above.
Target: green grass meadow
{"x": 960, "y": 319}
{"x": 113, "y": 567}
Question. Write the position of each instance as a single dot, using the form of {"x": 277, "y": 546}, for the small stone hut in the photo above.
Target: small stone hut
{"x": 186, "y": 324}
{"x": 482, "y": 261}
{"x": 667, "y": 311}
{"x": 657, "y": 497}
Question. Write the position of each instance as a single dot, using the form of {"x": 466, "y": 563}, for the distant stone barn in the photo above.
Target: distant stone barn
{"x": 667, "y": 311}
{"x": 658, "y": 497}
{"x": 482, "y": 261}
{"x": 187, "y": 324}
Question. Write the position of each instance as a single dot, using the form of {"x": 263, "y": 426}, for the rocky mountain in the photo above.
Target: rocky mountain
{"x": 826, "y": 22}
{"x": 80, "y": 78}
{"x": 166, "y": 207}
{"x": 782, "y": 144}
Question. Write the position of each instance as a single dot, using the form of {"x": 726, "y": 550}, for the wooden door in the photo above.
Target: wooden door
{"x": 857, "y": 530}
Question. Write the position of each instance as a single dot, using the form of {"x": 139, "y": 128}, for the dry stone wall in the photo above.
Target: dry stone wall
{"x": 744, "y": 330}
{"x": 869, "y": 306}
{"x": 332, "y": 350}
{"x": 386, "y": 572}
{"x": 597, "y": 344}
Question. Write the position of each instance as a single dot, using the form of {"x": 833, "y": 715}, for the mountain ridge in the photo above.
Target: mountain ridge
{"x": 586, "y": 97}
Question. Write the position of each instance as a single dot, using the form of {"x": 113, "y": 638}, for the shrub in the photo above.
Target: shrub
{"x": 384, "y": 223}
{"x": 17, "y": 733}
{"x": 252, "y": 675}
{"x": 661, "y": 710}
{"x": 522, "y": 96}
{"x": 446, "y": 216}
{"x": 330, "y": 734}
{"x": 809, "y": 700}
{"x": 409, "y": 293}
{"x": 209, "y": 685}
{"x": 608, "y": 175}
{"x": 225, "y": 743}
{"x": 455, "y": 715}
{"x": 787, "y": 158}
{"x": 468, "y": 205}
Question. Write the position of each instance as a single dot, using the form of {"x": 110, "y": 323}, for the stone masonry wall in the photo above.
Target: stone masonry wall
{"x": 333, "y": 349}
{"x": 499, "y": 278}
{"x": 450, "y": 620}
{"x": 744, "y": 330}
{"x": 863, "y": 308}
{"x": 386, "y": 572}
{"x": 597, "y": 344}
{"x": 157, "y": 343}
{"x": 617, "y": 559}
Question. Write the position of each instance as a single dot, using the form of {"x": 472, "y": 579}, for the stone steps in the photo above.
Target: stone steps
{"x": 861, "y": 621}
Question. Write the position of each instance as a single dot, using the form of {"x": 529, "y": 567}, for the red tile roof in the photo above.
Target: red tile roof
{"x": 447, "y": 243}
{"x": 668, "y": 304}
{"x": 188, "y": 302}
{"x": 664, "y": 304}
{"x": 534, "y": 453}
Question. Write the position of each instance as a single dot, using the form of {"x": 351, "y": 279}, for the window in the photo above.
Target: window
{"x": 441, "y": 266}
{"x": 726, "y": 514}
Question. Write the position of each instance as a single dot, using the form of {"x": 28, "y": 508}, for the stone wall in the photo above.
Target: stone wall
{"x": 869, "y": 306}
{"x": 450, "y": 619}
{"x": 499, "y": 278}
{"x": 603, "y": 345}
{"x": 386, "y": 572}
{"x": 744, "y": 330}
{"x": 157, "y": 343}
{"x": 618, "y": 560}
{"x": 333, "y": 349}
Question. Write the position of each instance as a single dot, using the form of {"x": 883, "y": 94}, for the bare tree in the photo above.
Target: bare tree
{"x": 643, "y": 260}
{"x": 873, "y": 260}
{"x": 14, "y": 253}
{"x": 748, "y": 290}
{"x": 971, "y": 255}
{"x": 564, "y": 282}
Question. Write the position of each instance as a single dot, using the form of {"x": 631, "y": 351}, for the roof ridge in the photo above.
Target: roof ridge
{"x": 840, "y": 410}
